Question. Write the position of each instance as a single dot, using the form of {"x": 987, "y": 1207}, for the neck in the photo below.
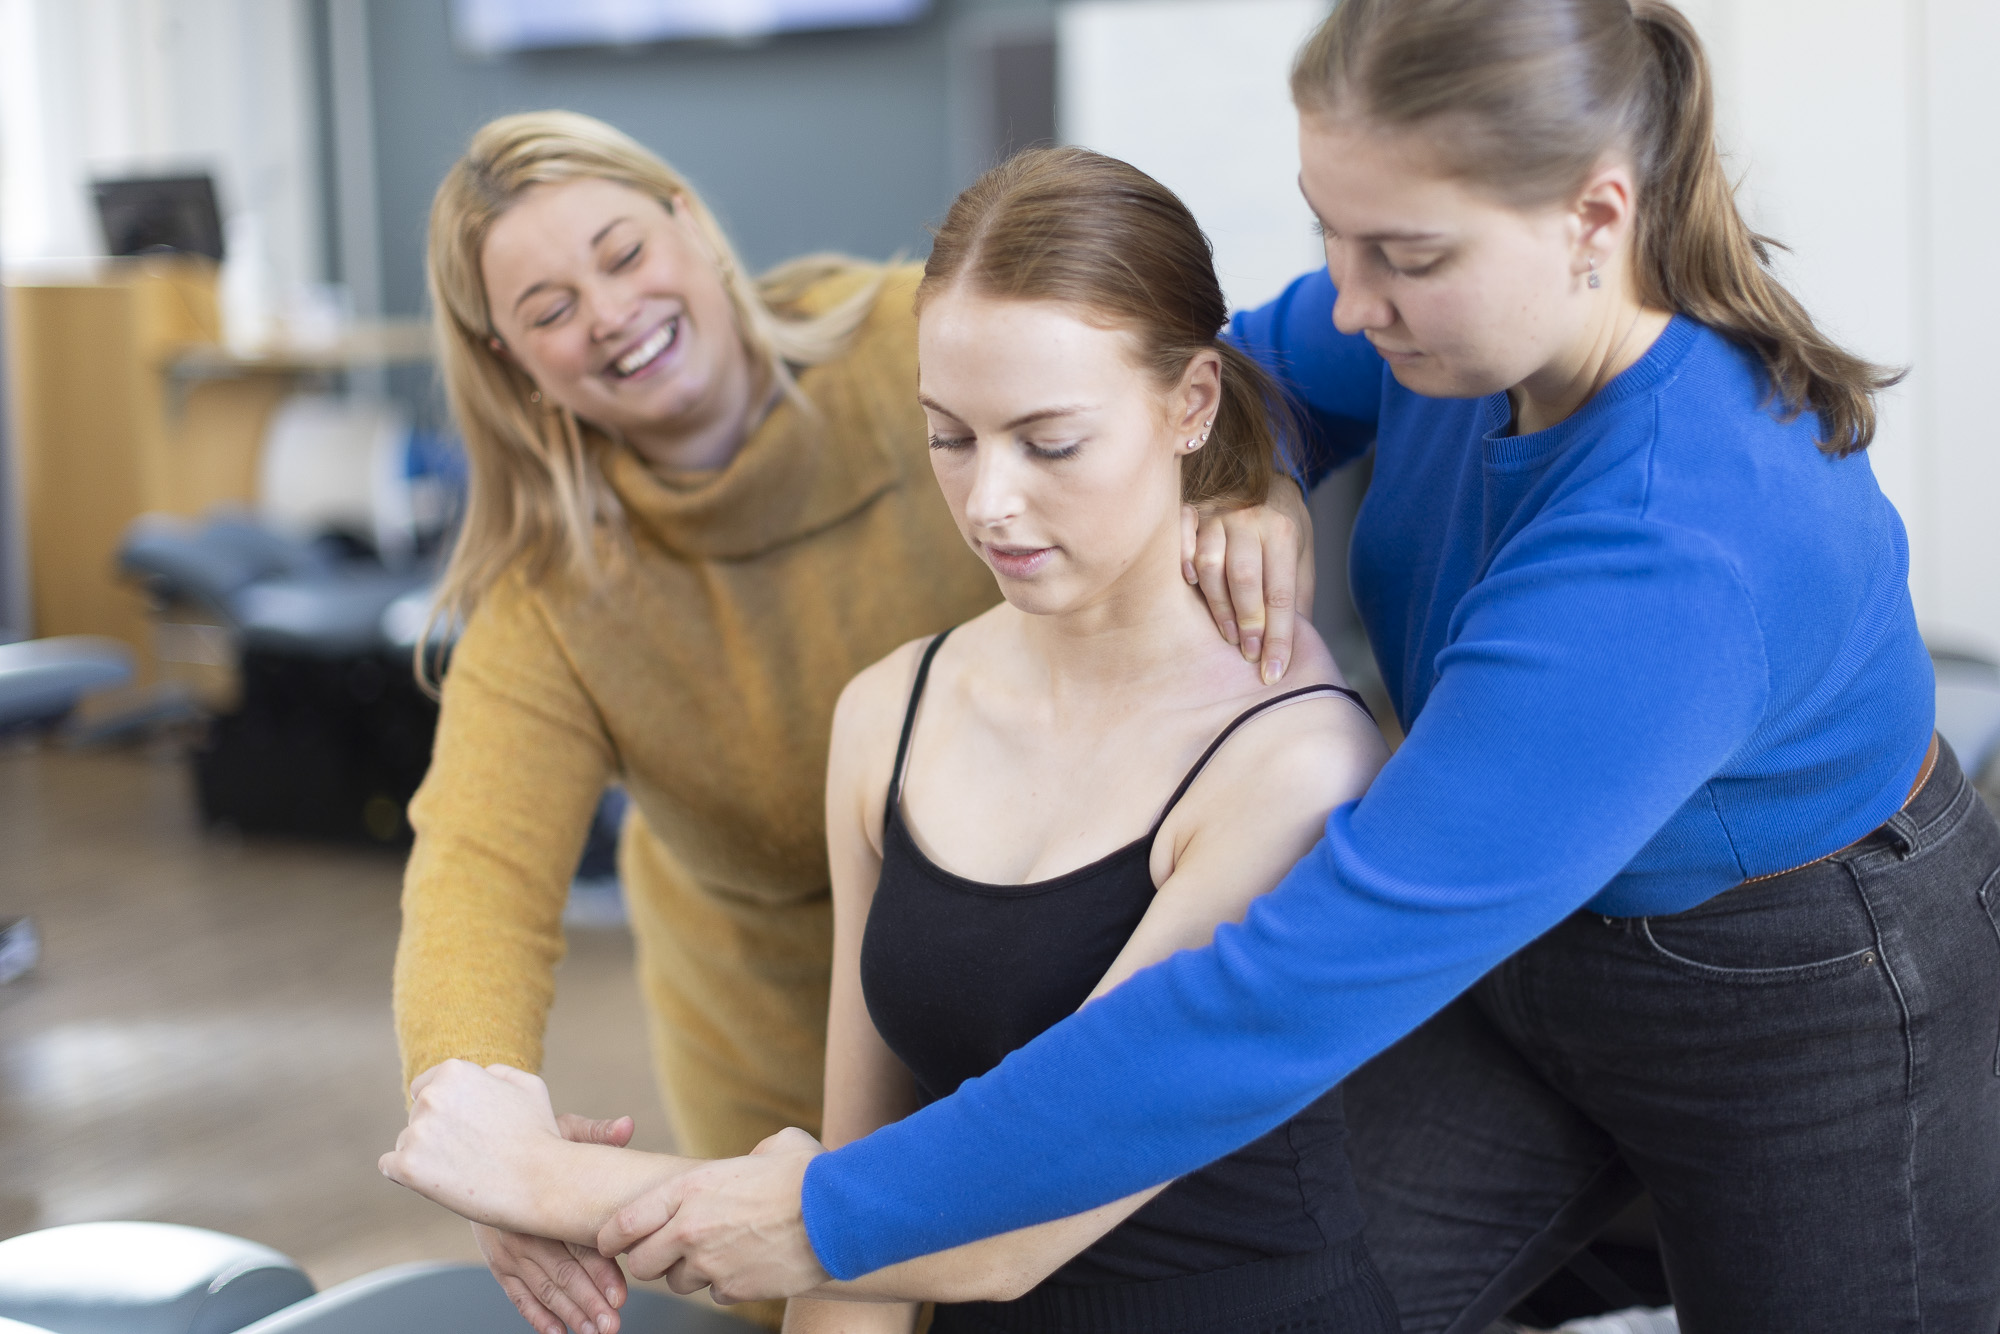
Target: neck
{"x": 709, "y": 440}
{"x": 1149, "y": 628}
{"x": 1616, "y": 339}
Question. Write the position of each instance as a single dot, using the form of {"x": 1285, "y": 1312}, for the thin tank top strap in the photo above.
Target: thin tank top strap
{"x": 910, "y": 721}
{"x": 1324, "y": 688}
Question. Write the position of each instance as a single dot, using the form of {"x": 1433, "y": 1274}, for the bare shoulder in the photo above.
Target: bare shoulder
{"x": 1309, "y": 751}
{"x": 869, "y": 714}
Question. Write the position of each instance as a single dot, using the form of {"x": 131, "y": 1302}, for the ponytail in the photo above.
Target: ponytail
{"x": 1248, "y": 444}
{"x": 1696, "y": 254}
{"x": 1535, "y": 93}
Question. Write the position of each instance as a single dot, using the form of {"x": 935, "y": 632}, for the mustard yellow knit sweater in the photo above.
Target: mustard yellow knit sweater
{"x": 703, "y": 676}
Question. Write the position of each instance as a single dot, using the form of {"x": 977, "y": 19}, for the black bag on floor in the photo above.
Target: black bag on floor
{"x": 319, "y": 747}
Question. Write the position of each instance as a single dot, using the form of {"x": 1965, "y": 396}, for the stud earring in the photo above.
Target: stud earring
{"x": 1594, "y": 281}
{"x": 534, "y": 395}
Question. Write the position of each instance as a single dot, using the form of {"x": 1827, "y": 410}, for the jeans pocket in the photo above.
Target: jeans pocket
{"x": 1989, "y": 897}
{"x": 1809, "y": 924}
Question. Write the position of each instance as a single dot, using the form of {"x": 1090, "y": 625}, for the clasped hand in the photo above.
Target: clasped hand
{"x": 486, "y": 1144}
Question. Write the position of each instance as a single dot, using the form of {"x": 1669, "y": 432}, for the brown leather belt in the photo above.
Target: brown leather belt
{"x": 1923, "y": 776}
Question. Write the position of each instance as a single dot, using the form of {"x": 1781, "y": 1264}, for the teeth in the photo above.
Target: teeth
{"x": 646, "y": 351}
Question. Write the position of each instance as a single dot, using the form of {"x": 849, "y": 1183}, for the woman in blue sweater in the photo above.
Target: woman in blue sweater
{"x": 1670, "y": 884}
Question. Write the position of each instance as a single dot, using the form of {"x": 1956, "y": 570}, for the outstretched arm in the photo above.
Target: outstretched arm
{"x": 484, "y": 1143}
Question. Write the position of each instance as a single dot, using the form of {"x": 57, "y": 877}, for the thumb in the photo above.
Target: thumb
{"x": 617, "y": 1132}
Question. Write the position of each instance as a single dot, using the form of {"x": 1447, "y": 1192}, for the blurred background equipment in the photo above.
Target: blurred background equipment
{"x": 491, "y": 27}
{"x": 151, "y": 215}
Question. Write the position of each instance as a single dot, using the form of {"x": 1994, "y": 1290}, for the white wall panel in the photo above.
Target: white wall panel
{"x": 1193, "y": 92}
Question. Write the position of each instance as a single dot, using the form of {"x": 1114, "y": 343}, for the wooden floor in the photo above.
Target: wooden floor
{"x": 207, "y": 1039}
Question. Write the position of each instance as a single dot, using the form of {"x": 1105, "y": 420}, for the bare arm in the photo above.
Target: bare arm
{"x": 484, "y": 1143}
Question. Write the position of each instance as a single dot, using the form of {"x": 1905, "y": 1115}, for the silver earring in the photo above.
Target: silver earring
{"x": 1594, "y": 280}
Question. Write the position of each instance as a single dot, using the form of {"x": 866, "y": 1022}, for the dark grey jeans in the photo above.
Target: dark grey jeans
{"x": 1804, "y": 1071}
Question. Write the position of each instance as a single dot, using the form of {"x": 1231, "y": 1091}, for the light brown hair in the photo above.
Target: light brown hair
{"x": 537, "y": 493}
{"x": 1086, "y": 230}
{"x": 1528, "y": 97}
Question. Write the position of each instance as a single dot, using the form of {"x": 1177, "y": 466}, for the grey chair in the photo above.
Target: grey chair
{"x": 463, "y": 1299}
{"x": 142, "y": 1278}
{"x": 41, "y": 680}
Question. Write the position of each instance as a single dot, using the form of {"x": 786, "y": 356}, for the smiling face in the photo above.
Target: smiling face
{"x": 1058, "y": 455}
{"x": 1462, "y": 293}
{"x": 616, "y": 310}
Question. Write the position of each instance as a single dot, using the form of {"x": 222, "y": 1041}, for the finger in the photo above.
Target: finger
{"x": 682, "y": 1277}
{"x": 531, "y": 1310}
{"x": 652, "y": 1256}
{"x": 430, "y": 1076}
{"x": 577, "y": 1290}
{"x": 605, "y": 1275}
{"x": 1244, "y": 563}
{"x": 1208, "y": 558}
{"x": 1281, "y": 577}
{"x": 547, "y": 1283}
{"x": 640, "y": 1218}
{"x": 1190, "y": 533}
{"x": 617, "y": 1132}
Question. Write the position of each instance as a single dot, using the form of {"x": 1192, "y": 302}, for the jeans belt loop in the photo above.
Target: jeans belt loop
{"x": 1904, "y": 830}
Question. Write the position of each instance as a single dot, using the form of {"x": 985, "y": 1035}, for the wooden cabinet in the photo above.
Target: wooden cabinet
{"x": 127, "y": 404}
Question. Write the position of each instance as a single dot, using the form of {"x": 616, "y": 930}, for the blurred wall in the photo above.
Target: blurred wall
{"x": 97, "y": 88}
{"x": 813, "y": 141}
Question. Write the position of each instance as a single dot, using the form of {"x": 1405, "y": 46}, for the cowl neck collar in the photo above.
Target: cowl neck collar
{"x": 800, "y": 471}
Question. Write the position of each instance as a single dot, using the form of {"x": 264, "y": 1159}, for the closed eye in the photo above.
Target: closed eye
{"x": 950, "y": 441}
{"x": 1064, "y": 452}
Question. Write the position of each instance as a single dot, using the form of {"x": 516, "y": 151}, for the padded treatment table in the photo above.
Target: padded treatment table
{"x": 41, "y": 680}
{"x": 143, "y": 1278}
{"x": 465, "y": 1299}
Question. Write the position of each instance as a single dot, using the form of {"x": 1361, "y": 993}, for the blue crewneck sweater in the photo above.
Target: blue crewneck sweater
{"x": 1660, "y": 648}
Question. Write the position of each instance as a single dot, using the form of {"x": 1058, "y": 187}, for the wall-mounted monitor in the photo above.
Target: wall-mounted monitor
{"x": 152, "y": 215}
{"x": 496, "y": 27}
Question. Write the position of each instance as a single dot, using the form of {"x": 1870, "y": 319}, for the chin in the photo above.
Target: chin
{"x": 1435, "y": 380}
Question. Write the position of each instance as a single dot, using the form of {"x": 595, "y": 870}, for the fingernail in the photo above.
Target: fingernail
{"x": 1229, "y": 631}
{"x": 1252, "y": 643}
{"x": 1187, "y": 571}
{"x": 1273, "y": 671}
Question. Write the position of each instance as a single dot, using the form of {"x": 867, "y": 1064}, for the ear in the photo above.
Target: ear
{"x": 1196, "y": 399}
{"x": 1604, "y": 218}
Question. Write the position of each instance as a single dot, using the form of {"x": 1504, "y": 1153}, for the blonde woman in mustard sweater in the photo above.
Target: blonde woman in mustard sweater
{"x": 700, "y": 503}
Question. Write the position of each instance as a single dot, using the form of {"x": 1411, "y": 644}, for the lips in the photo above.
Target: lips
{"x": 650, "y": 349}
{"x": 1018, "y": 562}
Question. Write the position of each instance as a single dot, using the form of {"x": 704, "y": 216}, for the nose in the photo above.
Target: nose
{"x": 612, "y": 307}
{"x": 995, "y": 498}
{"x": 1357, "y": 304}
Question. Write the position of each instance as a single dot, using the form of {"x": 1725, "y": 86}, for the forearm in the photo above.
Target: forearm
{"x": 804, "y": 1315}
{"x": 994, "y": 1269}
{"x": 575, "y": 1189}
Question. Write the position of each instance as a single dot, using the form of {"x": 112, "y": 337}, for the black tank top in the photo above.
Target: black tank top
{"x": 957, "y": 973}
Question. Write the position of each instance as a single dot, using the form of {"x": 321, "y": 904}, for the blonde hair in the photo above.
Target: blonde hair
{"x": 1528, "y": 96}
{"x": 537, "y": 491}
{"x": 1070, "y": 225}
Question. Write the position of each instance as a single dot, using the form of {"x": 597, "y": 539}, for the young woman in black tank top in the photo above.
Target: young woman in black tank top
{"x": 1026, "y": 810}
{"x": 985, "y": 789}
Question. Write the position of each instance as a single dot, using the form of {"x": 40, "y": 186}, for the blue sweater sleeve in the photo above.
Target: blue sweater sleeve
{"x": 1334, "y": 378}
{"x": 1600, "y": 673}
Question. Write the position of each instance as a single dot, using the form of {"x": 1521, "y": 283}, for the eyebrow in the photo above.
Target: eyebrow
{"x": 1027, "y": 419}
{"x": 1375, "y": 237}
{"x": 602, "y": 232}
